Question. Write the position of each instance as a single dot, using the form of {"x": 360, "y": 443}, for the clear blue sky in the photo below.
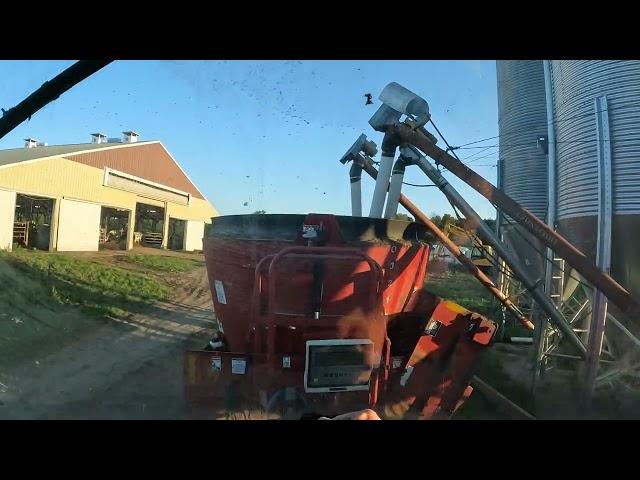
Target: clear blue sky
{"x": 269, "y": 133}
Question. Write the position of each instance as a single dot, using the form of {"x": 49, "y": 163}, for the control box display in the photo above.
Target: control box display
{"x": 338, "y": 365}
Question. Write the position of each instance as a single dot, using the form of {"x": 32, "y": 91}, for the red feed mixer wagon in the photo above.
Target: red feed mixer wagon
{"x": 328, "y": 314}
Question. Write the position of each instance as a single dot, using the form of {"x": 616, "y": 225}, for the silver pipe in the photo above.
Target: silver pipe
{"x": 355, "y": 177}
{"x": 510, "y": 259}
{"x": 382, "y": 184}
{"x": 541, "y": 328}
{"x": 551, "y": 172}
{"x": 395, "y": 189}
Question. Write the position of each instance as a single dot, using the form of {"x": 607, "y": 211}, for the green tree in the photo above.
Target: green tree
{"x": 447, "y": 218}
{"x": 491, "y": 223}
{"x": 437, "y": 219}
{"x": 405, "y": 217}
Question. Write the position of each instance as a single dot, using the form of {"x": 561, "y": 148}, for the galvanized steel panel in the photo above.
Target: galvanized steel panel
{"x": 145, "y": 189}
{"x": 78, "y": 226}
{"x": 193, "y": 235}
{"x": 522, "y": 119}
{"x": 575, "y": 85}
{"x": 7, "y": 215}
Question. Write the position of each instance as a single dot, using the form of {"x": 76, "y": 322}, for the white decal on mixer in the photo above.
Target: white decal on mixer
{"x": 238, "y": 366}
{"x": 216, "y": 363}
{"x": 220, "y": 292}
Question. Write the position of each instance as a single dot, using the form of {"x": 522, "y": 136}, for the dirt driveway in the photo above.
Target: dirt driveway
{"x": 129, "y": 369}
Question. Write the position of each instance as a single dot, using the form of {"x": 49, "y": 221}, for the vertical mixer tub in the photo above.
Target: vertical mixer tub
{"x": 278, "y": 281}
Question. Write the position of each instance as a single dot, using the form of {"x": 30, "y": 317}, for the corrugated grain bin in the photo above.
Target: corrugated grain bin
{"x": 522, "y": 120}
{"x": 576, "y": 84}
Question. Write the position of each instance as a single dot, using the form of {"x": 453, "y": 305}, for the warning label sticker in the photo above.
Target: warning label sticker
{"x": 220, "y": 292}
{"x": 286, "y": 361}
{"x": 396, "y": 362}
{"x": 216, "y": 363}
{"x": 238, "y": 366}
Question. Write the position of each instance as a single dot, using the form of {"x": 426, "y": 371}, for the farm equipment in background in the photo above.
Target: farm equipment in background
{"x": 481, "y": 255}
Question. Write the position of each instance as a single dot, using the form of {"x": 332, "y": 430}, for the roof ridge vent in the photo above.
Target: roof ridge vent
{"x": 130, "y": 136}
{"x": 98, "y": 138}
{"x": 30, "y": 142}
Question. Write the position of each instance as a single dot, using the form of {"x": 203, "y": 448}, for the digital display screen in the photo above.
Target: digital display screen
{"x": 338, "y": 366}
{"x": 338, "y": 355}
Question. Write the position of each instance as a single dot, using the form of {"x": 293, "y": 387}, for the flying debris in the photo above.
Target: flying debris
{"x": 368, "y": 97}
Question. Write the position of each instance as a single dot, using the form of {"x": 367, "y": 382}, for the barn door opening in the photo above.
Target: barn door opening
{"x": 177, "y": 230}
{"x": 114, "y": 226}
{"x": 32, "y": 222}
{"x": 149, "y": 225}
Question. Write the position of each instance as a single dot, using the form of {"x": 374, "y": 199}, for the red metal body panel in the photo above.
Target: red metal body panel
{"x": 274, "y": 294}
{"x": 233, "y": 262}
{"x": 206, "y": 380}
{"x": 442, "y": 361}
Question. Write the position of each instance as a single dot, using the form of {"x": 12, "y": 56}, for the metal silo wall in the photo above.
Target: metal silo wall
{"x": 522, "y": 119}
{"x": 575, "y": 85}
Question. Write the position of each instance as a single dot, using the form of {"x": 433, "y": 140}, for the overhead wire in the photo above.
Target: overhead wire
{"x": 417, "y": 185}
{"x": 560, "y": 119}
{"x": 474, "y": 239}
{"x": 495, "y": 260}
{"x": 505, "y": 219}
{"x": 563, "y": 270}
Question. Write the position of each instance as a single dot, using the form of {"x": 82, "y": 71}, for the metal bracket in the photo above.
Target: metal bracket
{"x": 384, "y": 117}
{"x": 603, "y": 255}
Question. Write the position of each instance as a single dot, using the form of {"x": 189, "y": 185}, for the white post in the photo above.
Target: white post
{"x": 382, "y": 184}
{"x": 395, "y": 189}
{"x": 356, "y": 198}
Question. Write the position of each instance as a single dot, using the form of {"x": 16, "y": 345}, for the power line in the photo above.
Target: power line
{"x": 479, "y": 152}
{"x": 482, "y": 157}
{"x": 474, "y": 239}
{"x": 530, "y": 143}
{"x": 449, "y": 147}
{"x": 562, "y": 118}
{"x": 416, "y": 185}
{"x": 509, "y": 132}
{"x": 483, "y": 148}
{"x": 479, "y": 141}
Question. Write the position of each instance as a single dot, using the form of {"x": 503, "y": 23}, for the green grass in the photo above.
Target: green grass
{"x": 97, "y": 287}
{"x": 50, "y": 299}
{"x": 464, "y": 289}
{"x": 164, "y": 263}
{"x": 33, "y": 318}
